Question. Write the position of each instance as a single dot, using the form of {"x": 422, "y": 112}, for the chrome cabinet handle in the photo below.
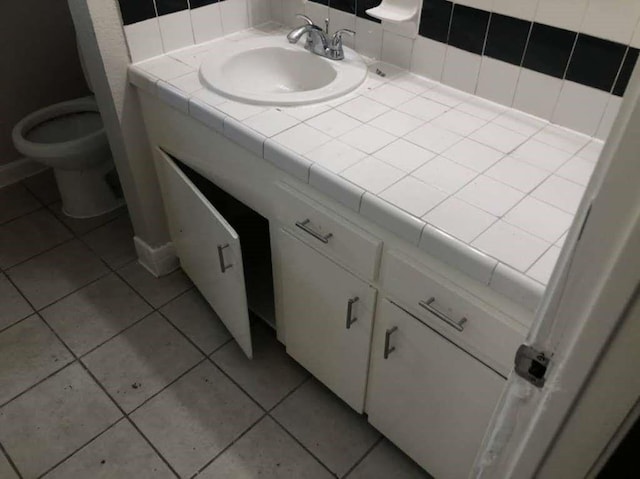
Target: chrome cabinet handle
{"x": 428, "y": 305}
{"x": 350, "y": 318}
{"x": 388, "y": 349}
{"x": 223, "y": 267}
{"x": 305, "y": 226}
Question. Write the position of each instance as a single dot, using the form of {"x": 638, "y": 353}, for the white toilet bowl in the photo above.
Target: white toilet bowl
{"x": 70, "y": 138}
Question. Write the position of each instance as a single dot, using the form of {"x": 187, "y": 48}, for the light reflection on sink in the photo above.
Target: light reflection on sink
{"x": 270, "y": 71}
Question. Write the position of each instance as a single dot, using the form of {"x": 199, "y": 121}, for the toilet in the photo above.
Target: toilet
{"x": 70, "y": 138}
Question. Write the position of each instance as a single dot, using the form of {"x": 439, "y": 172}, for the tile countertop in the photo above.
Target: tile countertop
{"x": 487, "y": 189}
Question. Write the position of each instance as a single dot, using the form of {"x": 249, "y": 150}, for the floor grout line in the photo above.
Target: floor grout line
{"x": 364, "y": 456}
{"x": 10, "y": 461}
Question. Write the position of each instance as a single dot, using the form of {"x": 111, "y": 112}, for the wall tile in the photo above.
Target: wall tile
{"x": 507, "y": 38}
{"x": 537, "y": 94}
{"x": 461, "y": 69}
{"x": 610, "y": 114}
{"x": 165, "y": 7}
{"x": 566, "y": 14}
{"x": 134, "y": 11}
{"x": 363, "y": 5}
{"x": 595, "y": 62}
{"x": 580, "y": 107}
{"x": 347, "y": 6}
{"x": 176, "y": 30}
{"x": 435, "y": 18}
{"x": 626, "y": 70}
{"x": 468, "y": 28}
{"x": 201, "y": 3}
{"x": 497, "y": 81}
{"x": 235, "y": 15}
{"x": 206, "y": 22}
{"x": 524, "y": 9}
{"x": 368, "y": 38}
{"x": 428, "y": 58}
{"x": 339, "y": 19}
{"x": 259, "y": 12}
{"x": 611, "y": 19}
{"x": 396, "y": 49}
{"x": 317, "y": 12}
{"x": 144, "y": 39}
{"x": 548, "y": 50}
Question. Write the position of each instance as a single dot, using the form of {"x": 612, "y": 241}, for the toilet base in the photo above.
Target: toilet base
{"x": 86, "y": 193}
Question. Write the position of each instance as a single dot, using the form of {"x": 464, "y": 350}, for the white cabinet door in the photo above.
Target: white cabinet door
{"x": 328, "y": 316}
{"x": 428, "y": 396}
{"x": 209, "y": 250}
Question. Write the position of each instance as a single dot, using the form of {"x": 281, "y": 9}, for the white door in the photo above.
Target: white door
{"x": 427, "y": 395}
{"x": 209, "y": 250}
{"x": 328, "y": 316}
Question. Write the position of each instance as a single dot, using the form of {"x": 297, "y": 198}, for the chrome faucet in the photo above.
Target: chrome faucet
{"x": 318, "y": 40}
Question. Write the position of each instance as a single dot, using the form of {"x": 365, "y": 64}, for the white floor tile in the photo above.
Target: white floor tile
{"x": 333, "y": 123}
{"x": 498, "y": 137}
{"x": 560, "y": 193}
{"x": 541, "y": 155}
{"x": 16, "y": 200}
{"x": 459, "y": 122}
{"x": 195, "y": 418}
{"x": 433, "y": 138}
{"x": 459, "y": 219}
{"x": 113, "y": 242}
{"x": 396, "y": 123}
{"x": 119, "y": 452}
{"x": 423, "y": 108}
{"x": 387, "y": 461}
{"x": 6, "y": 471}
{"x": 265, "y": 451}
{"x": 404, "y": 155}
{"x": 269, "y": 376}
{"x": 413, "y": 196}
{"x": 13, "y": 306}
{"x": 511, "y": 245}
{"x": 44, "y": 187}
{"x": 543, "y": 268}
{"x": 95, "y": 313}
{"x": 539, "y": 219}
{"x": 157, "y": 291}
{"x": 192, "y": 315}
{"x": 363, "y": 109}
{"x": 490, "y": 195}
{"x": 49, "y": 422}
{"x": 138, "y": 363}
{"x": 56, "y": 273}
{"x": 518, "y": 174}
{"x": 29, "y": 352}
{"x": 445, "y": 174}
{"x": 336, "y": 156}
{"x": 338, "y": 443}
{"x": 30, "y": 235}
{"x": 373, "y": 175}
{"x": 367, "y": 138}
{"x": 473, "y": 155}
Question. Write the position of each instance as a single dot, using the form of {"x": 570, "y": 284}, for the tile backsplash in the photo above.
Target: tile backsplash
{"x": 567, "y": 61}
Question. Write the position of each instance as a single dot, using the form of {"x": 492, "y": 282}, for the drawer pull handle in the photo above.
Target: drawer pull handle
{"x": 388, "y": 349}
{"x": 428, "y": 305}
{"x": 305, "y": 226}
{"x": 223, "y": 267}
{"x": 350, "y": 318}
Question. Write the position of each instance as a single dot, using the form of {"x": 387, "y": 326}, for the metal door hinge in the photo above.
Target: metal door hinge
{"x": 531, "y": 364}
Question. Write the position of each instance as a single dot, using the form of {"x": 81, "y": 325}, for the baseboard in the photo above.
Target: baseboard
{"x": 158, "y": 261}
{"x": 19, "y": 170}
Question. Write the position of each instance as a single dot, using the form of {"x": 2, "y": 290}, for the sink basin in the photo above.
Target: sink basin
{"x": 270, "y": 71}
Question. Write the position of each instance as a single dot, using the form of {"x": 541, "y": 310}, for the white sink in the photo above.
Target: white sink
{"x": 270, "y": 71}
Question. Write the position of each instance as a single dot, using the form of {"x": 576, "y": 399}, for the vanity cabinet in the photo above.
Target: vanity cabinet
{"x": 427, "y": 395}
{"x": 208, "y": 247}
{"x": 327, "y": 314}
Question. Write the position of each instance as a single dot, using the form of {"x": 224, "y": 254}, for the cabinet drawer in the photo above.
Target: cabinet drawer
{"x": 328, "y": 232}
{"x": 477, "y": 327}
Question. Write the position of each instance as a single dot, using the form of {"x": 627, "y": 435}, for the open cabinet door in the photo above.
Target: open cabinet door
{"x": 208, "y": 248}
{"x": 595, "y": 282}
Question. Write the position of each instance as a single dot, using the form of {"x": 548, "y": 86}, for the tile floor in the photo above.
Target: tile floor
{"x": 108, "y": 372}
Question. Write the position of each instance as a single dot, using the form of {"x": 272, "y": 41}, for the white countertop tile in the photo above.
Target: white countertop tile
{"x": 473, "y": 155}
{"x": 490, "y": 195}
{"x": 541, "y": 155}
{"x": 372, "y": 174}
{"x": 567, "y": 140}
{"x": 511, "y": 245}
{"x": 396, "y": 123}
{"x": 560, "y": 193}
{"x": 518, "y": 174}
{"x": 485, "y": 109}
{"x": 333, "y": 123}
{"x": 423, "y": 108}
{"x": 389, "y": 95}
{"x": 301, "y": 138}
{"x": 433, "y": 138}
{"x": 271, "y": 122}
{"x": 444, "y": 174}
{"x": 404, "y": 155}
{"x": 446, "y": 95}
{"x": 460, "y": 219}
{"x": 577, "y": 170}
{"x": 239, "y": 111}
{"x": 540, "y": 219}
{"x": 367, "y": 138}
{"x": 336, "y": 156}
{"x": 414, "y": 83}
{"x": 542, "y": 269}
{"x": 520, "y": 122}
{"x": 499, "y": 137}
{"x": 459, "y": 122}
{"x": 363, "y": 109}
{"x": 413, "y": 196}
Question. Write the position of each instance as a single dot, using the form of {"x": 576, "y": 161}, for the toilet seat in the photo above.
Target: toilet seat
{"x": 95, "y": 140}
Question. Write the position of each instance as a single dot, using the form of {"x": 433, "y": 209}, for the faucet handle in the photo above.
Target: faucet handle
{"x": 337, "y": 37}
{"x": 305, "y": 18}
